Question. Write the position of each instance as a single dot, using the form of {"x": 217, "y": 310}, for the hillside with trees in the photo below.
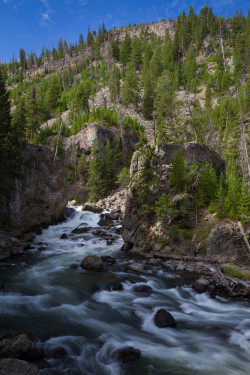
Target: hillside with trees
{"x": 171, "y": 82}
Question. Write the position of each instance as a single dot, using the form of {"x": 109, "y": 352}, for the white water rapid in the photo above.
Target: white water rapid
{"x": 72, "y": 308}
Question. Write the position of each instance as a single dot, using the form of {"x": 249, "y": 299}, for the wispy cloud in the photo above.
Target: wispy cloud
{"x": 45, "y": 13}
{"x": 83, "y": 2}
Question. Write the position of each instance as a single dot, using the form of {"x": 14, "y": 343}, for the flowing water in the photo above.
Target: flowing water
{"x": 72, "y": 308}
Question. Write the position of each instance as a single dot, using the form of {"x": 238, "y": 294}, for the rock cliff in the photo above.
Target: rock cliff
{"x": 39, "y": 197}
{"x": 143, "y": 233}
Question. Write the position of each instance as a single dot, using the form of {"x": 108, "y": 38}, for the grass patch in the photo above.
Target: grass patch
{"x": 242, "y": 275}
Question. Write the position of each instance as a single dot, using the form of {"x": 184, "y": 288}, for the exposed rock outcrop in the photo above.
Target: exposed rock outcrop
{"x": 140, "y": 232}
{"x": 38, "y": 198}
{"x": 226, "y": 243}
{"x": 84, "y": 139}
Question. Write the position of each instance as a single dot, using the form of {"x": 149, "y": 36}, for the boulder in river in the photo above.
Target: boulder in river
{"x": 115, "y": 286}
{"x": 92, "y": 208}
{"x": 201, "y": 285}
{"x": 92, "y": 263}
{"x": 12, "y": 366}
{"x": 163, "y": 318}
{"x": 128, "y": 354}
{"x": 32, "y": 355}
{"x": 14, "y": 347}
{"x": 64, "y": 236}
{"x": 107, "y": 259}
{"x": 59, "y": 353}
{"x": 144, "y": 289}
{"x": 136, "y": 267}
{"x": 81, "y": 230}
{"x": 105, "y": 223}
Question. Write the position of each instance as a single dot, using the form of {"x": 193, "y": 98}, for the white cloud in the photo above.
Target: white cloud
{"x": 45, "y": 13}
{"x": 83, "y": 2}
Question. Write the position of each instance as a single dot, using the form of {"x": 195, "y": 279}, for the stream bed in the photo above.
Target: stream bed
{"x": 72, "y": 308}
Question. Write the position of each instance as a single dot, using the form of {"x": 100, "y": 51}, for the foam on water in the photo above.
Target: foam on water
{"x": 58, "y": 305}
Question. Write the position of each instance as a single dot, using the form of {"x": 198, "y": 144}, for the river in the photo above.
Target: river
{"x": 72, "y": 308}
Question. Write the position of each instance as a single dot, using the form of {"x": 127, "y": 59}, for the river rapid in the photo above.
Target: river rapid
{"x": 72, "y": 308}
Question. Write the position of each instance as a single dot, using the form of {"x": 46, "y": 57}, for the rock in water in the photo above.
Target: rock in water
{"x": 92, "y": 263}
{"x": 59, "y": 353}
{"x": 92, "y": 208}
{"x": 201, "y": 285}
{"x": 136, "y": 267}
{"x": 144, "y": 289}
{"x": 81, "y": 230}
{"x": 129, "y": 354}
{"x": 12, "y": 366}
{"x": 14, "y": 347}
{"x": 164, "y": 319}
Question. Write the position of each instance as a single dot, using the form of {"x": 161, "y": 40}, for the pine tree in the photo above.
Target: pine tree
{"x": 5, "y": 118}
{"x": 19, "y": 120}
{"x": 89, "y": 37}
{"x": 208, "y": 185}
{"x": 114, "y": 83}
{"x": 148, "y": 97}
{"x": 81, "y": 42}
{"x": 53, "y": 94}
{"x": 115, "y": 49}
{"x": 32, "y": 116}
{"x": 125, "y": 50}
{"x": 179, "y": 172}
{"x": 130, "y": 87}
{"x": 60, "y": 48}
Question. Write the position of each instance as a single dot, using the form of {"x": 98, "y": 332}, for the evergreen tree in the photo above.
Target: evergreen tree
{"x": 115, "y": 49}
{"x": 81, "y": 42}
{"x": 179, "y": 172}
{"x": 32, "y": 117}
{"x": 190, "y": 68}
{"x": 208, "y": 185}
{"x": 19, "y": 120}
{"x": 60, "y": 48}
{"x": 5, "y": 118}
{"x": 130, "y": 87}
{"x": 53, "y": 94}
{"x": 148, "y": 97}
{"x": 114, "y": 83}
{"x": 125, "y": 50}
{"x": 89, "y": 37}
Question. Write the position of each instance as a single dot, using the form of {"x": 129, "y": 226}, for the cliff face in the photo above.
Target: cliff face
{"x": 40, "y": 197}
{"x": 143, "y": 233}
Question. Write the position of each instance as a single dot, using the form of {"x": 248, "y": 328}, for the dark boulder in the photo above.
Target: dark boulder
{"x": 107, "y": 259}
{"x": 14, "y": 347}
{"x": 201, "y": 285}
{"x": 128, "y": 354}
{"x": 144, "y": 289}
{"x": 81, "y": 230}
{"x": 163, "y": 318}
{"x": 112, "y": 215}
{"x": 115, "y": 286}
{"x": 105, "y": 223}
{"x": 12, "y": 366}
{"x": 73, "y": 266}
{"x": 92, "y": 263}
{"x": 59, "y": 353}
{"x": 33, "y": 355}
{"x": 64, "y": 236}
{"x": 92, "y": 208}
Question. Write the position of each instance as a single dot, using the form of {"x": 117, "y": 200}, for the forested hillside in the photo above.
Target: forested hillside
{"x": 176, "y": 81}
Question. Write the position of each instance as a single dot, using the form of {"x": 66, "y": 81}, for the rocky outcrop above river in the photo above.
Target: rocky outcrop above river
{"x": 142, "y": 233}
{"x": 84, "y": 139}
{"x": 39, "y": 197}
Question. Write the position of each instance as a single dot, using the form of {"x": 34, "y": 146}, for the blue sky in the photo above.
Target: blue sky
{"x": 29, "y": 23}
